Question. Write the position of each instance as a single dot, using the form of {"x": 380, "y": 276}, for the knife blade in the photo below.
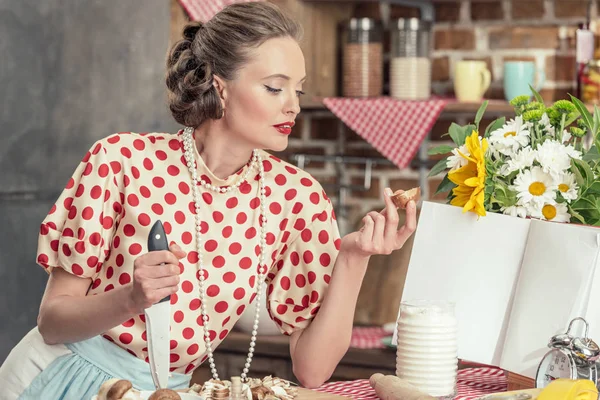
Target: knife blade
{"x": 158, "y": 318}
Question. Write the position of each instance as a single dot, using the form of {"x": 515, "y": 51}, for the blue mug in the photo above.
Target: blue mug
{"x": 518, "y": 75}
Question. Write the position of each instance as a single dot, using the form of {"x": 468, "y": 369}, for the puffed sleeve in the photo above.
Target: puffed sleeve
{"x": 76, "y": 233}
{"x": 300, "y": 276}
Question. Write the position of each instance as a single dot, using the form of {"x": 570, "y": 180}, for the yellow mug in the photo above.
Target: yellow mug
{"x": 471, "y": 80}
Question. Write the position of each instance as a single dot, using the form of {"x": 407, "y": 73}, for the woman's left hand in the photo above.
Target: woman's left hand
{"x": 380, "y": 233}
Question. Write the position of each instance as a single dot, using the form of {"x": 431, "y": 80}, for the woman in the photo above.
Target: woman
{"x": 234, "y": 215}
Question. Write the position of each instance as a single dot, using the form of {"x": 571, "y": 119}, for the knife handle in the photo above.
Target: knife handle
{"x": 157, "y": 240}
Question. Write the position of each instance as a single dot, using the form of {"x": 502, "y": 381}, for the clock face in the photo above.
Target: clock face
{"x": 555, "y": 364}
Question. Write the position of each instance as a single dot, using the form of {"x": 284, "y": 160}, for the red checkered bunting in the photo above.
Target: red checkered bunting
{"x": 203, "y": 10}
{"x": 472, "y": 383}
{"x": 396, "y": 128}
{"x": 368, "y": 337}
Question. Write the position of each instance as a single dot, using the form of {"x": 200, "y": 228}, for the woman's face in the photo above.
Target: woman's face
{"x": 265, "y": 93}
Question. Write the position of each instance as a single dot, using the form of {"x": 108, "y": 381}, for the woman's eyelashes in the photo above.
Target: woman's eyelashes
{"x": 275, "y": 91}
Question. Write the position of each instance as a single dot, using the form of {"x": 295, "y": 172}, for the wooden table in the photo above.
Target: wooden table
{"x": 307, "y": 394}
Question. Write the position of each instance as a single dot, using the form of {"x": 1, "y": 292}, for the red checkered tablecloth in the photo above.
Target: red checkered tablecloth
{"x": 368, "y": 337}
{"x": 396, "y": 128}
{"x": 203, "y": 10}
{"x": 471, "y": 384}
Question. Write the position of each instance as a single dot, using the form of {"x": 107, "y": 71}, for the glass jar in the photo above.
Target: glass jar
{"x": 410, "y": 63}
{"x": 362, "y": 65}
{"x": 590, "y": 82}
{"x": 426, "y": 355}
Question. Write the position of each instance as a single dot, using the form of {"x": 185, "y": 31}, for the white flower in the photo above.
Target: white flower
{"x": 515, "y": 211}
{"x": 534, "y": 186}
{"x": 455, "y": 161}
{"x": 511, "y": 137}
{"x": 567, "y": 186}
{"x": 566, "y": 136}
{"x": 546, "y": 126}
{"x": 554, "y": 157}
{"x": 521, "y": 160}
{"x": 551, "y": 211}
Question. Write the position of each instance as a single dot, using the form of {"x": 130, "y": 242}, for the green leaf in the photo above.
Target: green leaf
{"x": 594, "y": 189}
{"x": 456, "y": 132}
{"x": 583, "y": 111}
{"x": 497, "y": 124}
{"x": 441, "y": 149}
{"x": 537, "y": 96}
{"x": 592, "y": 154}
{"x": 586, "y": 171}
{"x": 572, "y": 119}
{"x": 479, "y": 114}
{"x": 579, "y": 178}
{"x": 439, "y": 167}
{"x": 445, "y": 185}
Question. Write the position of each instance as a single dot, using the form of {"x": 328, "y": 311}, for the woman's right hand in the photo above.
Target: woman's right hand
{"x": 153, "y": 281}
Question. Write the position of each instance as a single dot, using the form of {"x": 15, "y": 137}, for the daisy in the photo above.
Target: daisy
{"x": 556, "y": 212}
{"x": 522, "y": 159}
{"x": 546, "y": 126}
{"x": 455, "y": 161}
{"x": 515, "y": 211}
{"x": 534, "y": 186}
{"x": 511, "y": 137}
{"x": 567, "y": 186}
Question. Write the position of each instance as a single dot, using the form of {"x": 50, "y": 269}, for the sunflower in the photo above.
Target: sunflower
{"x": 470, "y": 179}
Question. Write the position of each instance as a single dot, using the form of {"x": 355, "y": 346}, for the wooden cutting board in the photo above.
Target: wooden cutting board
{"x": 307, "y": 394}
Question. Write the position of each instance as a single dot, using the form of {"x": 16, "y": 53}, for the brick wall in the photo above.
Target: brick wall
{"x": 491, "y": 30}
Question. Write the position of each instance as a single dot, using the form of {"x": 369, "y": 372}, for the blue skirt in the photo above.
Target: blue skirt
{"x": 79, "y": 375}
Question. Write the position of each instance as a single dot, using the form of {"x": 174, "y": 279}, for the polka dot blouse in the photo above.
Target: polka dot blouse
{"x": 100, "y": 223}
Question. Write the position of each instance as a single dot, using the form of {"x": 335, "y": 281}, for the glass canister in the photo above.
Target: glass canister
{"x": 410, "y": 63}
{"x": 362, "y": 65}
{"x": 426, "y": 355}
{"x": 590, "y": 82}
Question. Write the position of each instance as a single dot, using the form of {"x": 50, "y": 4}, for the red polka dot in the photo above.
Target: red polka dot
{"x": 267, "y": 165}
{"x": 251, "y": 232}
{"x": 211, "y": 245}
{"x": 212, "y": 291}
{"x": 174, "y": 357}
{"x": 307, "y": 256}
{"x": 323, "y": 237}
{"x": 192, "y": 257}
{"x": 139, "y": 144}
{"x": 133, "y": 200}
{"x": 218, "y": 262}
{"x": 254, "y": 203}
{"x": 115, "y": 166}
{"x": 291, "y": 170}
{"x": 193, "y": 349}
{"x": 92, "y": 261}
{"x": 102, "y": 170}
{"x": 281, "y": 309}
{"x": 158, "y": 181}
{"x": 217, "y": 216}
{"x": 125, "y": 338}
{"x": 178, "y": 316}
{"x": 338, "y": 243}
{"x": 306, "y": 182}
{"x": 161, "y": 155}
{"x": 87, "y": 213}
{"x": 314, "y": 296}
{"x": 184, "y": 188}
{"x": 195, "y": 304}
{"x": 221, "y": 307}
{"x": 145, "y": 192}
{"x": 239, "y": 293}
{"x": 129, "y": 230}
{"x": 295, "y": 258}
{"x": 223, "y": 334}
{"x": 235, "y": 248}
{"x": 170, "y": 198}
{"x": 232, "y": 202}
{"x": 245, "y": 263}
{"x": 241, "y": 218}
{"x": 300, "y": 281}
{"x": 187, "y": 286}
{"x": 144, "y": 219}
{"x": 126, "y": 152}
{"x": 72, "y": 212}
{"x": 314, "y": 198}
{"x": 77, "y": 270}
{"x": 245, "y": 188}
{"x": 173, "y": 344}
{"x": 203, "y": 227}
{"x": 327, "y": 278}
{"x": 179, "y": 217}
{"x": 297, "y": 208}
{"x": 280, "y": 179}
{"x": 157, "y": 208}
{"x": 124, "y": 278}
{"x": 240, "y": 310}
{"x": 188, "y": 333}
{"x": 300, "y": 224}
{"x": 325, "y": 259}
{"x": 109, "y": 272}
{"x": 135, "y": 249}
{"x": 290, "y": 194}
{"x": 173, "y": 170}
{"x": 186, "y": 238}
{"x": 80, "y": 190}
{"x": 227, "y": 231}
{"x": 275, "y": 208}
{"x": 207, "y": 197}
{"x": 285, "y": 283}
{"x": 135, "y": 172}
{"x": 229, "y": 277}
{"x": 168, "y": 227}
{"x": 148, "y": 164}
{"x": 306, "y": 235}
{"x": 312, "y": 277}
{"x": 107, "y": 223}
{"x": 270, "y": 239}
{"x": 174, "y": 144}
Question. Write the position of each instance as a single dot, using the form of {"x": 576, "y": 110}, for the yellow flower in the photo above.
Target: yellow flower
{"x": 470, "y": 192}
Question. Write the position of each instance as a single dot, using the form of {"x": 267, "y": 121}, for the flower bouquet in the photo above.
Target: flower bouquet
{"x": 544, "y": 163}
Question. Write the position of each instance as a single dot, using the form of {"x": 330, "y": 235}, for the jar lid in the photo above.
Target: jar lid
{"x": 411, "y": 24}
{"x": 363, "y": 24}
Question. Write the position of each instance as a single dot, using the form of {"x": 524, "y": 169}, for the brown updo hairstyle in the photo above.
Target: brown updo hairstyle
{"x": 219, "y": 47}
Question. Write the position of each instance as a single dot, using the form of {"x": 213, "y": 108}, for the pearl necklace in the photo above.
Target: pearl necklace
{"x": 189, "y": 153}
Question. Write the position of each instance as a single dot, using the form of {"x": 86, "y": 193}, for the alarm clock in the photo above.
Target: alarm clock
{"x": 570, "y": 357}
